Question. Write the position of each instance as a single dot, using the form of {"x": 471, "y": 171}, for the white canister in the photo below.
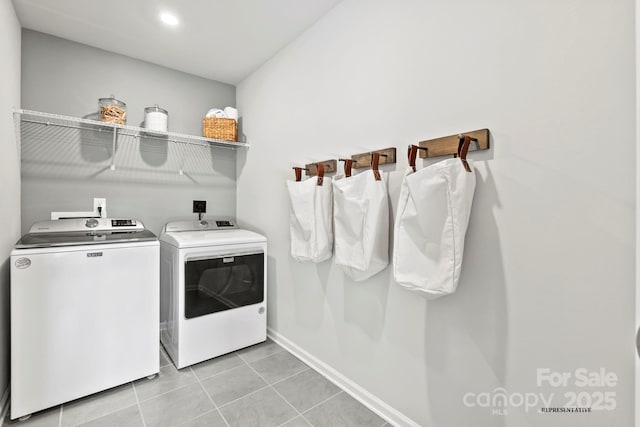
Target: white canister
{"x": 156, "y": 119}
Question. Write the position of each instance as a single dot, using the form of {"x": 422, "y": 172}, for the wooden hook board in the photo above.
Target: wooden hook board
{"x": 330, "y": 166}
{"x": 448, "y": 145}
{"x": 363, "y": 160}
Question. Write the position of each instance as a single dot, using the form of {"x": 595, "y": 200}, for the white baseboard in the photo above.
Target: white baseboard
{"x": 369, "y": 400}
{"x": 4, "y": 403}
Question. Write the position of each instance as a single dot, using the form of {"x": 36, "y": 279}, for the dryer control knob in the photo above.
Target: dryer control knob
{"x": 91, "y": 223}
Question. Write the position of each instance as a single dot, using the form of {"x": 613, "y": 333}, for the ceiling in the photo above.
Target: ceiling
{"x": 219, "y": 40}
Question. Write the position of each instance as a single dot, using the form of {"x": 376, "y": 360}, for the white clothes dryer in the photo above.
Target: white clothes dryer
{"x": 213, "y": 289}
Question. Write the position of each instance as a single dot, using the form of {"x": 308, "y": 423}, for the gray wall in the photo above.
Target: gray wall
{"x": 9, "y": 170}
{"x": 65, "y": 172}
{"x": 548, "y": 273}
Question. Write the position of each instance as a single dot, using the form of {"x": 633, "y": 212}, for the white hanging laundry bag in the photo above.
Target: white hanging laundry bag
{"x": 430, "y": 227}
{"x": 311, "y": 227}
{"x": 361, "y": 224}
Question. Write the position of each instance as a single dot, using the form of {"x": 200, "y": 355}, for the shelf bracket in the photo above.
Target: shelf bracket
{"x": 113, "y": 149}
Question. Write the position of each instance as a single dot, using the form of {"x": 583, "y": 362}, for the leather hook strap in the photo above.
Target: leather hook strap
{"x": 348, "y": 164}
{"x": 320, "y": 170}
{"x": 375, "y": 161}
{"x": 412, "y": 153}
{"x": 298, "y": 171}
{"x": 463, "y": 148}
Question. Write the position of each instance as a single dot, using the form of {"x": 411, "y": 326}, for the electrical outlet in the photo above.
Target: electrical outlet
{"x": 199, "y": 206}
{"x": 100, "y": 207}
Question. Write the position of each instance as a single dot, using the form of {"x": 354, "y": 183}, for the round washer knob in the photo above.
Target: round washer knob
{"x": 204, "y": 224}
{"x": 91, "y": 223}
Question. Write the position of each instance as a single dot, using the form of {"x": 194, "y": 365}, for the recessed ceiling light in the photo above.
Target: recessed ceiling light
{"x": 169, "y": 19}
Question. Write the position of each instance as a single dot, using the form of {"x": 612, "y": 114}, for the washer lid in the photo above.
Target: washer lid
{"x": 78, "y": 238}
{"x": 192, "y": 239}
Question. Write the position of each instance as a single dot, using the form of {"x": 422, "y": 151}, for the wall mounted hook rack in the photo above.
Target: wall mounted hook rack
{"x": 363, "y": 160}
{"x": 448, "y": 145}
{"x": 330, "y": 166}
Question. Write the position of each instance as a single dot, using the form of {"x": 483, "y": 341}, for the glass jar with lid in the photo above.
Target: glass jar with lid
{"x": 156, "y": 119}
{"x": 112, "y": 110}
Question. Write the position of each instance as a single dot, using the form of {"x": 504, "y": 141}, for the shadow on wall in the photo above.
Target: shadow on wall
{"x": 272, "y": 293}
{"x": 241, "y": 136}
{"x": 242, "y": 154}
{"x": 310, "y": 293}
{"x": 365, "y": 303}
{"x": 95, "y": 146}
{"x": 465, "y": 340}
{"x": 154, "y": 151}
{"x": 223, "y": 161}
{"x": 362, "y": 305}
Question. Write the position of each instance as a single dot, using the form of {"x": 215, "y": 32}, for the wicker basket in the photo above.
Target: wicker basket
{"x": 215, "y": 128}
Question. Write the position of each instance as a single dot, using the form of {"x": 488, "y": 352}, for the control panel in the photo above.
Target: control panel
{"x": 84, "y": 224}
{"x": 123, "y": 223}
{"x": 202, "y": 225}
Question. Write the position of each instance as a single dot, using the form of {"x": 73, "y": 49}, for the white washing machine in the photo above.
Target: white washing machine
{"x": 213, "y": 289}
{"x": 84, "y": 310}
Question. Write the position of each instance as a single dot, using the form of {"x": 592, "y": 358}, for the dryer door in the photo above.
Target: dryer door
{"x": 215, "y": 284}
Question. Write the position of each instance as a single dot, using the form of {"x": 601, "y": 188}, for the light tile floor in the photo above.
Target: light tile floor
{"x": 263, "y": 385}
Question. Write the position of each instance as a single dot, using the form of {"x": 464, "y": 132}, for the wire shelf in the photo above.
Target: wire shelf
{"x": 61, "y": 147}
{"x": 55, "y": 120}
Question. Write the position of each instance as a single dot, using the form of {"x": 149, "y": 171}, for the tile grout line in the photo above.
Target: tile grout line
{"x": 210, "y": 398}
{"x": 135, "y": 393}
{"x": 167, "y": 392}
{"x": 245, "y": 362}
{"x": 216, "y": 407}
{"x": 174, "y": 389}
{"x": 325, "y": 400}
{"x": 261, "y": 358}
{"x": 217, "y": 373}
{"x": 291, "y": 419}
{"x": 239, "y": 355}
{"x": 267, "y": 385}
{"x": 385, "y": 422}
{"x": 198, "y": 417}
{"x": 246, "y": 395}
{"x": 276, "y": 382}
{"x": 320, "y": 403}
{"x": 331, "y": 397}
{"x": 276, "y": 391}
{"x": 95, "y": 395}
{"x": 290, "y": 376}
